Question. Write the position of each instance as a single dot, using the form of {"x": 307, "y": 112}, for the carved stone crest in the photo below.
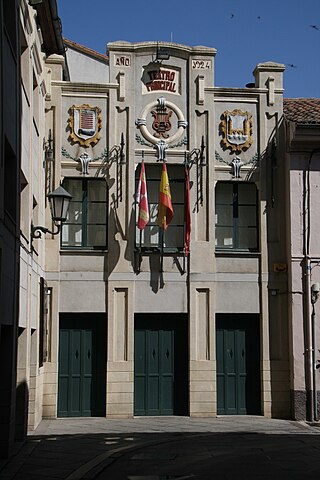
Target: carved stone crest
{"x": 236, "y": 129}
{"x": 161, "y": 110}
{"x": 85, "y": 124}
{"x": 161, "y": 123}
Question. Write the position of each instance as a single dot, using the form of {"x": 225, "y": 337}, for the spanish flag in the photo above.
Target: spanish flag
{"x": 142, "y": 199}
{"x": 165, "y": 212}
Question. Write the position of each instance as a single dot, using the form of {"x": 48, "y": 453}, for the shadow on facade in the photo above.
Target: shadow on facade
{"x": 115, "y": 229}
{"x": 273, "y": 167}
{"x": 22, "y": 404}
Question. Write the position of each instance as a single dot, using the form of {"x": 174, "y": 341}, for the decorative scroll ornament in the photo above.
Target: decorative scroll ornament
{"x": 84, "y": 123}
{"x": 161, "y": 125}
{"x": 84, "y": 159}
{"x": 237, "y": 163}
{"x": 236, "y": 129}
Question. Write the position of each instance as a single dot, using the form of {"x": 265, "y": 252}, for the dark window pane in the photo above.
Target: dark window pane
{"x": 224, "y": 193}
{"x": 178, "y": 217}
{"x": 224, "y": 215}
{"x": 177, "y": 191}
{"x": 173, "y": 237}
{"x": 247, "y": 238}
{"x": 74, "y": 187}
{"x": 247, "y": 194}
{"x": 153, "y": 189}
{"x": 247, "y": 216}
{"x": 224, "y": 237}
{"x": 96, "y": 235}
{"x": 96, "y": 213}
{"x": 97, "y": 190}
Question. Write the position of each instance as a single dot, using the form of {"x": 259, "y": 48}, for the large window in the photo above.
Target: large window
{"x": 86, "y": 223}
{"x": 236, "y": 216}
{"x": 152, "y": 237}
{"x": 45, "y": 324}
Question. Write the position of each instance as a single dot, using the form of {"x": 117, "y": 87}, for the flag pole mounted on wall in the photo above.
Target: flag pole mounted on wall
{"x": 187, "y": 210}
{"x": 143, "y": 206}
{"x": 165, "y": 209}
{"x": 142, "y": 198}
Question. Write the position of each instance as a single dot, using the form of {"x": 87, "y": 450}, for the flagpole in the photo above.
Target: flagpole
{"x": 143, "y": 205}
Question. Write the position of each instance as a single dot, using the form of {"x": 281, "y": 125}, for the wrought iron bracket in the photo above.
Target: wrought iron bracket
{"x": 37, "y": 231}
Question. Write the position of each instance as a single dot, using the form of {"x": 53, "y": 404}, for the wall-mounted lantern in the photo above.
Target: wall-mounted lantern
{"x": 59, "y": 201}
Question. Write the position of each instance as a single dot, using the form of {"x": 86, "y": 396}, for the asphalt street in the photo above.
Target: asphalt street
{"x": 167, "y": 448}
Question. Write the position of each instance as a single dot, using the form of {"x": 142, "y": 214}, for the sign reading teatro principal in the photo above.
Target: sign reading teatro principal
{"x": 160, "y": 79}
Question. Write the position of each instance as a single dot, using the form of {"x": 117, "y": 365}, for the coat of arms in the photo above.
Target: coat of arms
{"x": 236, "y": 129}
{"x": 85, "y": 124}
{"x": 161, "y": 123}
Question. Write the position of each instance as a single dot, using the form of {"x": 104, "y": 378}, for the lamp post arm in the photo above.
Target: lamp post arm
{"x": 37, "y": 231}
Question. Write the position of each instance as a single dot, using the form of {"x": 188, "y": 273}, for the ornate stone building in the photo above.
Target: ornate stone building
{"x": 184, "y": 280}
{"x": 141, "y": 327}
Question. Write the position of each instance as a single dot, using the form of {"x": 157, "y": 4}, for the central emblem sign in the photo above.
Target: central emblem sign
{"x": 161, "y": 123}
{"x": 156, "y": 78}
{"x": 161, "y": 110}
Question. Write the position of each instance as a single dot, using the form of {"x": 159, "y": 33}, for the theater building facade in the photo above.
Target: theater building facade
{"x": 183, "y": 320}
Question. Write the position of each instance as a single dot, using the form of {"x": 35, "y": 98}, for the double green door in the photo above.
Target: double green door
{"x": 81, "y": 383}
{"x": 160, "y": 381}
{"x": 238, "y": 364}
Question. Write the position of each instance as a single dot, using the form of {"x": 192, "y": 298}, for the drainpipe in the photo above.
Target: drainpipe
{"x": 308, "y": 340}
{"x": 313, "y": 319}
{"x": 310, "y": 373}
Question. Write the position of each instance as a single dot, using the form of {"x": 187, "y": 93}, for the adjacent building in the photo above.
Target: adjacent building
{"x": 10, "y": 140}
{"x": 29, "y": 35}
{"x": 301, "y": 144}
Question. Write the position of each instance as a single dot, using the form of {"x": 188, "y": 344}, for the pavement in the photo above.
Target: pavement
{"x": 168, "y": 448}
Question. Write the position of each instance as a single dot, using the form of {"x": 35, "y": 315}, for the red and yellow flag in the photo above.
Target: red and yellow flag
{"x": 165, "y": 212}
{"x": 142, "y": 199}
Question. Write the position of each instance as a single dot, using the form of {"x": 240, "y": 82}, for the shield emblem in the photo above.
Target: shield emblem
{"x": 236, "y": 130}
{"x": 85, "y": 124}
{"x": 161, "y": 123}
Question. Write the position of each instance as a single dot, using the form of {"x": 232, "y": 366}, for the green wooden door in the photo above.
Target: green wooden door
{"x": 238, "y": 364}
{"x": 160, "y": 367}
{"x": 81, "y": 383}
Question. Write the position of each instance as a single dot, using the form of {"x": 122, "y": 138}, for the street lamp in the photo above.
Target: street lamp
{"x": 59, "y": 201}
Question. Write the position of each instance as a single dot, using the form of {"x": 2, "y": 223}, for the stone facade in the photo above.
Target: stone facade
{"x": 117, "y": 322}
{"x": 227, "y": 278}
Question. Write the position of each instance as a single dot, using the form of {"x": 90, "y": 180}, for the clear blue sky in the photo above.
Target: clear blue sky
{"x": 244, "y": 32}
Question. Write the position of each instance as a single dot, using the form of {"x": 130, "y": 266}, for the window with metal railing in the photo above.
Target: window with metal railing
{"x": 153, "y": 238}
{"x": 86, "y": 224}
